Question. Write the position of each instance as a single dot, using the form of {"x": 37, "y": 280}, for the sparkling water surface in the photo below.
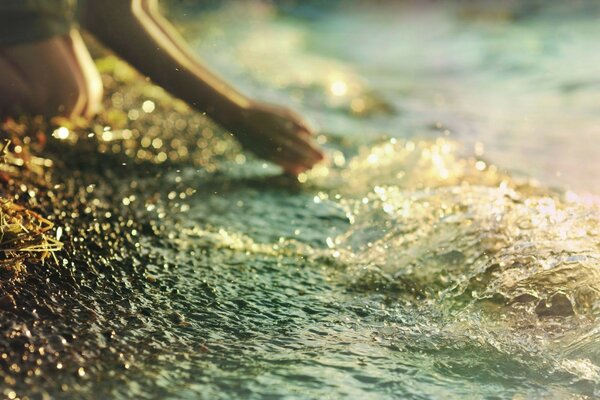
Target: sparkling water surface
{"x": 448, "y": 249}
{"x": 421, "y": 261}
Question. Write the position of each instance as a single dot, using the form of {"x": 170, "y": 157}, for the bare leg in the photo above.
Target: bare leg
{"x": 51, "y": 77}
{"x": 91, "y": 77}
{"x": 13, "y": 89}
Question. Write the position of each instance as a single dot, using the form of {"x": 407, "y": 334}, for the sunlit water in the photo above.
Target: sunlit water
{"x": 420, "y": 262}
{"x": 523, "y": 88}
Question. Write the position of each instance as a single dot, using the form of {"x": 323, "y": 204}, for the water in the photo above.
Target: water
{"x": 524, "y": 88}
{"x": 419, "y": 262}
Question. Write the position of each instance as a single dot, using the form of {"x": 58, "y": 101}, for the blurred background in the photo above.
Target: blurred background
{"x": 515, "y": 82}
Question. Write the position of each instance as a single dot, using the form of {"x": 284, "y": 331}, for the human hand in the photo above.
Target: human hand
{"x": 278, "y": 135}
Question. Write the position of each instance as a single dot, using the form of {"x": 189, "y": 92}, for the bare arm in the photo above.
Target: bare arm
{"x": 137, "y": 32}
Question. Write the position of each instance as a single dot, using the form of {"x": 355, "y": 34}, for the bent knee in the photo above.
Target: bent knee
{"x": 65, "y": 84}
{"x": 81, "y": 94}
{"x": 68, "y": 99}
{"x": 79, "y": 97}
{"x": 13, "y": 88}
{"x": 30, "y": 99}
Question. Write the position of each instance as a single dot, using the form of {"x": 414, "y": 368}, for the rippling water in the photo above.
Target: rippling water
{"x": 421, "y": 261}
{"x": 410, "y": 265}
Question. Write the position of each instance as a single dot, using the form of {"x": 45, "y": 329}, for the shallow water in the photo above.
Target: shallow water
{"x": 412, "y": 268}
{"x": 518, "y": 84}
{"x": 409, "y": 266}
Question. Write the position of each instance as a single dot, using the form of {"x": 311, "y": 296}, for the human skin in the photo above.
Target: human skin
{"x": 56, "y": 76}
{"x": 67, "y": 83}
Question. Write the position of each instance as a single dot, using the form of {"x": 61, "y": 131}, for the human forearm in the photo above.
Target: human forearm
{"x": 151, "y": 46}
{"x": 136, "y": 31}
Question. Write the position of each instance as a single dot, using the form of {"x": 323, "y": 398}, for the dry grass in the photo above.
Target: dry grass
{"x": 24, "y": 234}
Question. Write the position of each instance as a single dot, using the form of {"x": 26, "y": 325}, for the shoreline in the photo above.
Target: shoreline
{"x": 137, "y": 285}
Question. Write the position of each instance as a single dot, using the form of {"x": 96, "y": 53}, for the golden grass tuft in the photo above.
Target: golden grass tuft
{"x": 24, "y": 234}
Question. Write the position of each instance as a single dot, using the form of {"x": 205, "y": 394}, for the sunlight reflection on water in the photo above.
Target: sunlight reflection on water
{"x": 408, "y": 265}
